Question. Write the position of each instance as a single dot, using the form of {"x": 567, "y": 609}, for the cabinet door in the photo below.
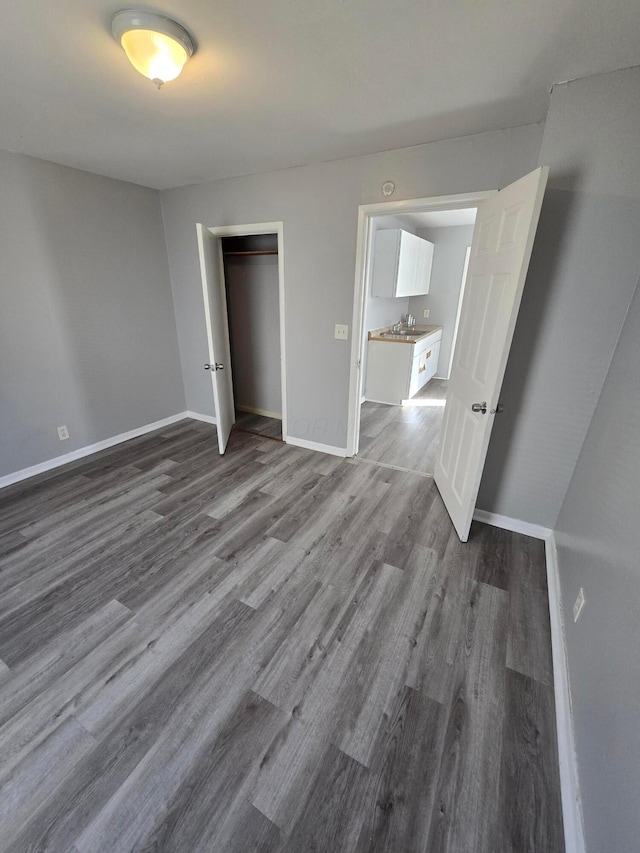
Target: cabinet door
{"x": 416, "y": 375}
{"x": 435, "y": 356}
{"x": 423, "y": 268}
{"x": 424, "y": 367}
{"x": 407, "y": 264}
{"x": 385, "y": 262}
{"x": 388, "y": 371}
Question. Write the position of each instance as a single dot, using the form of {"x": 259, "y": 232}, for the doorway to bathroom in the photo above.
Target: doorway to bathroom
{"x": 503, "y": 236}
{"x": 411, "y": 314}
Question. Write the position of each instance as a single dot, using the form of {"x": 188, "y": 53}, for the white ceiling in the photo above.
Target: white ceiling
{"x": 285, "y": 82}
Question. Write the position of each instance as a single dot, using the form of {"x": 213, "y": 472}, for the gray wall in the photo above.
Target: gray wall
{"x": 446, "y": 280}
{"x": 583, "y": 271}
{"x": 87, "y": 330}
{"x": 254, "y": 324}
{"x": 597, "y": 538}
{"x": 319, "y": 206}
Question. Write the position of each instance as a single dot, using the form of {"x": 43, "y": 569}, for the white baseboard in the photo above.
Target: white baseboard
{"x": 207, "y": 419}
{"x": 264, "y": 412}
{"x": 81, "y": 452}
{"x": 569, "y": 781}
{"x": 315, "y": 445}
{"x": 567, "y": 759}
{"x": 381, "y": 402}
{"x": 513, "y": 524}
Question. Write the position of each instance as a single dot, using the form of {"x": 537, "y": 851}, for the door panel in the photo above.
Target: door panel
{"x": 500, "y": 252}
{"x": 215, "y": 314}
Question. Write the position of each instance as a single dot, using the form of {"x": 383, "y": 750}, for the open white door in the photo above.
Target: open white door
{"x": 215, "y": 314}
{"x": 500, "y": 251}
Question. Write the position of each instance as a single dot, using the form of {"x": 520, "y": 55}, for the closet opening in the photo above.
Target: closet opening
{"x": 251, "y": 280}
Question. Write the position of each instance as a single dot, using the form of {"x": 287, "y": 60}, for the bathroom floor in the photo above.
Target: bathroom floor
{"x": 405, "y": 436}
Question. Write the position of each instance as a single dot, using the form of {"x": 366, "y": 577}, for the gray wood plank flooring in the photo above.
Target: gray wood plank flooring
{"x": 404, "y": 436}
{"x": 273, "y": 650}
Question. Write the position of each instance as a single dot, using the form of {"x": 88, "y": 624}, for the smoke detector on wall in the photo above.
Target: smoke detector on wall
{"x": 388, "y": 188}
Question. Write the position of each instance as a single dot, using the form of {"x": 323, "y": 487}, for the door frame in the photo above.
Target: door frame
{"x": 366, "y": 213}
{"x": 251, "y": 230}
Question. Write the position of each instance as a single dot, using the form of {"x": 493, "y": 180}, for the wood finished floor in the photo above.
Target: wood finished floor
{"x": 259, "y": 424}
{"x": 274, "y": 650}
{"x": 404, "y": 436}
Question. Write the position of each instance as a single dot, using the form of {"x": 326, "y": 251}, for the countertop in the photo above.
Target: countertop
{"x": 417, "y": 334}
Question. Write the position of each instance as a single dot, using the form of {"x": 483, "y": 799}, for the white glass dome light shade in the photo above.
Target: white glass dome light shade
{"x": 156, "y": 46}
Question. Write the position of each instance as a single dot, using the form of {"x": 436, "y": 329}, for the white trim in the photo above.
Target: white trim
{"x": 382, "y": 402}
{"x": 513, "y": 524}
{"x": 81, "y": 452}
{"x": 252, "y": 230}
{"x": 567, "y": 758}
{"x": 418, "y": 205}
{"x": 264, "y": 412}
{"x": 394, "y": 467}
{"x": 366, "y": 212}
{"x": 207, "y": 419}
{"x": 315, "y": 445}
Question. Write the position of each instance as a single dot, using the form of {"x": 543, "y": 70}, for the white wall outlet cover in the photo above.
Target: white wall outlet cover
{"x": 425, "y": 313}
{"x": 577, "y": 607}
{"x": 341, "y": 332}
{"x": 63, "y": 433}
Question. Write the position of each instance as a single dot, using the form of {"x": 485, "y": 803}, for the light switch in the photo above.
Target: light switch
{"x": 341, "y": 332}
{"x": 426, "y": 312}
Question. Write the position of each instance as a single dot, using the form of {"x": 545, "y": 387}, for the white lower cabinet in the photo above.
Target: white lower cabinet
{"x": 423, "y": 368}
{"x": 396, "y": 370}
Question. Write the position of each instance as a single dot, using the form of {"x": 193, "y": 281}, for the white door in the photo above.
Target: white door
{"x": 500, "y": 251}
{"x": 215, "y": 315}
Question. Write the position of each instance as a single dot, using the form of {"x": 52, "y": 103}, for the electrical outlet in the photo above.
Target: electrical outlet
{"x": 63, "y": 433}
{"x": 425, "y": 312}
{"x": 341, "y": 332}
{"x": 577, "y": 607}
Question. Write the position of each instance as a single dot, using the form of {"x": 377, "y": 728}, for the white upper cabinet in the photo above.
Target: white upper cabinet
{"x": 423, "y": 270}
{"x": 401, "y": 264}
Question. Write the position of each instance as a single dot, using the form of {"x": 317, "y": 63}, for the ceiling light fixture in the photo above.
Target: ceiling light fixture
{"x": 156, "y": 46}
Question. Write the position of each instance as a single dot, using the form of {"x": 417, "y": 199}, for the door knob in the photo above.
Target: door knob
{"x": 479, "y": 407}
{"x": 216, "y": 366}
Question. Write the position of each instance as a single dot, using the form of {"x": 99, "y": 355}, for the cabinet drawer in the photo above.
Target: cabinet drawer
{"x": 427, "y": 343}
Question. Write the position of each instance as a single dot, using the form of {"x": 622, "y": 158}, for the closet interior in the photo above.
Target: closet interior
{"x": 253, "y": 308}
